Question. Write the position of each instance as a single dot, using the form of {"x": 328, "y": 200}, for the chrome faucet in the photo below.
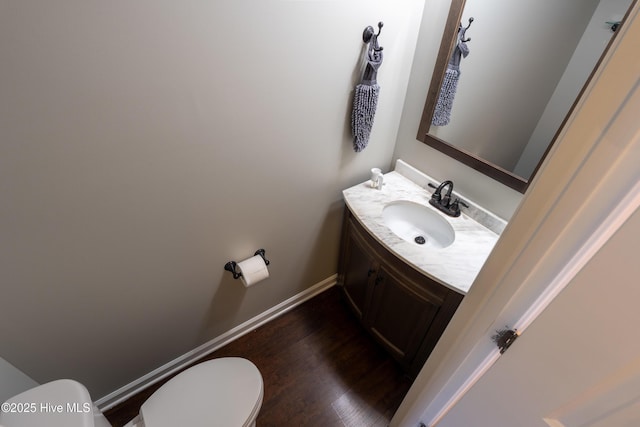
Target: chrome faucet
{"x": 443, "y": 203}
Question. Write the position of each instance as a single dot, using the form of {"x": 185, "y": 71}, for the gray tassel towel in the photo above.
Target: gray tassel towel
{"x": 442, "y": 113}
{"x": 365, "y": 99}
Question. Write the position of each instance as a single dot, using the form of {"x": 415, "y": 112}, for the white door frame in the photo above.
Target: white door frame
{"x": 586, "y": 189}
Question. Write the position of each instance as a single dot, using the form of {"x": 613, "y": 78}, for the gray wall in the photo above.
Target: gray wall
{"x": 144, "y": 144}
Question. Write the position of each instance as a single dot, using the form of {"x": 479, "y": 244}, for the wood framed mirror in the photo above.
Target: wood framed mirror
{"x": 528, "y": 65}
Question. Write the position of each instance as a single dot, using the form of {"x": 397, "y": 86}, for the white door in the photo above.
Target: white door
{"x": 578, "y": 363}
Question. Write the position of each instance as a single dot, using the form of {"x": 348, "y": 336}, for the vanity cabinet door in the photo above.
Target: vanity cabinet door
{"x": 358, "y": 270}
{"x": 403, "y": 309}
{"x": 400, "y": 314}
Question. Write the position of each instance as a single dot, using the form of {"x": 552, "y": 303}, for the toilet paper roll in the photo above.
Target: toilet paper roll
{"x": 253, "y": 270}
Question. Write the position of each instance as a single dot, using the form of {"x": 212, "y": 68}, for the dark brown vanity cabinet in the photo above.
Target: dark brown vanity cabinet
{"x": 403, "y": 309}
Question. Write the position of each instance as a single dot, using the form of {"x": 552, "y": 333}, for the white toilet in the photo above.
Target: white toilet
{"x": 223, "y": 392}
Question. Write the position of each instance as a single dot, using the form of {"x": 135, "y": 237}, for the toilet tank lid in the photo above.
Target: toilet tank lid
{"x": 60, "y": 403}
{"x": 219, "y": 392}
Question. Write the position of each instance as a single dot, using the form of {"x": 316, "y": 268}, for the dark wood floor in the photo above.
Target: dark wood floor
{"x": 320, "y": 368}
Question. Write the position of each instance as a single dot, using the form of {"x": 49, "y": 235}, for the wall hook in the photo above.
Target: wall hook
{"x": 369, "y": 33}
{"x": 613, "y": 25}
{"x": 464, "y": 30}
{"x": 380, "y": 25}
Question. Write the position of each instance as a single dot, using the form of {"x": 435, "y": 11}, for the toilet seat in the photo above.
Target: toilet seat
{"x": 220, "y": 392}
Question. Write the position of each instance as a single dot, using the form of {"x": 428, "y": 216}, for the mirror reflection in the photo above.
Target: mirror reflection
{"x": 527, "y": 63}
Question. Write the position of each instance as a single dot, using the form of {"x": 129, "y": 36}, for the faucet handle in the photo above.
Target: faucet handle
{"x": 436, "y": 194}
{"x": 455, "y": 208}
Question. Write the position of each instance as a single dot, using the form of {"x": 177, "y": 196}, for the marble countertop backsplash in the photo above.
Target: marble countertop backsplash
{"x": 456, "y": 266}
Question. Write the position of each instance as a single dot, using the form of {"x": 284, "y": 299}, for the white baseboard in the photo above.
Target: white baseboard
{"x": 127, "y": 391}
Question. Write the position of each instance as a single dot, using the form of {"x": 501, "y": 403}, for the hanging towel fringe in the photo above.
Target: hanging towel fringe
{"x": 442, "y": 113}
{"x": 444, "y": 104}
{"x": 365, "y": 102}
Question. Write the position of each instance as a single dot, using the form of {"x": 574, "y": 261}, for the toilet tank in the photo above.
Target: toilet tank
{"x": 61, "y": 403}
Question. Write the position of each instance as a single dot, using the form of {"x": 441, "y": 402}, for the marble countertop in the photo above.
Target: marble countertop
{"x": 455, "y": 266}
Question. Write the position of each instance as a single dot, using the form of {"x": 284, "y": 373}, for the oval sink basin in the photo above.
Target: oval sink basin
{"x": 418, "y": 224}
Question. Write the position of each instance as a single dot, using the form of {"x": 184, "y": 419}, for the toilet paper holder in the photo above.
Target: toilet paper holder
{"x": 231, "y": 265}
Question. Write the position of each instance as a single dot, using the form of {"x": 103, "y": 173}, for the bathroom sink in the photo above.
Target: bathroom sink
{"x": 418, "y": 224}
